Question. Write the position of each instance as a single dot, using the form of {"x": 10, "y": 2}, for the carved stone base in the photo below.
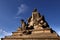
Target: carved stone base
{"x": 32, "y": 39}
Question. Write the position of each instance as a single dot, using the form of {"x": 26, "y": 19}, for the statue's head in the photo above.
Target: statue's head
{"x": 22, "y": 20}
{"x": 34, "y": 10}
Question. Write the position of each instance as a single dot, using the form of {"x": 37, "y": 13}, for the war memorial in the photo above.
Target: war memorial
{"x": 36, "y": 28}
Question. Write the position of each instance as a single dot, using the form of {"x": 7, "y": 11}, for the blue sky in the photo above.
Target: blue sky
{"x": 12, "y": 11}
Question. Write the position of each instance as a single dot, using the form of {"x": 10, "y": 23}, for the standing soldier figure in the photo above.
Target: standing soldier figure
{"x": 23, "y": 24}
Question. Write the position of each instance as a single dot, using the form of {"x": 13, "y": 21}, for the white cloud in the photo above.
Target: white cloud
{"x": 4, "y": 33}
{"x": 18, "y": 17}
{"x": 59, "y": 33}
{"x": 22, "y": 9}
